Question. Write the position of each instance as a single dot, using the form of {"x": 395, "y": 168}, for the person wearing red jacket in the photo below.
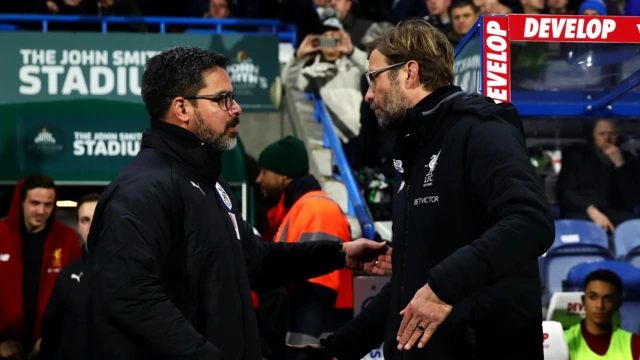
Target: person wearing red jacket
{"x": 33, "y": 249}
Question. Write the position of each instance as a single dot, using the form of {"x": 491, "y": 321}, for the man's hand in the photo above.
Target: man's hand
{"x": 421, "y": 318}
{"x": 312, "y": 351}
{"x": 369, "y": 255}
{"x": 53, "y": 7}
{"x": 35, "y": 351}
{"x": 615, "y": 155}
{"x": 345, "y": 46}
{"x": 600, "y": 219}
{"x": 10, "y": 349}
{"x": 308, "y": 47}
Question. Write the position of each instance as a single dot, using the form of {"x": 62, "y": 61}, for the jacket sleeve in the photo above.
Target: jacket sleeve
{"x": 568, "y": 181}
{"x": 365, "y": 332}
{"x": 132, "y": 252}
{"x": 359, "y": 59}
{"x": 292, "y": 74}
{"x": 53, "y": 320}
{"x": 627, "y": 178}
{"x": 505, "y": 183}
{"x": 271, "y": 264}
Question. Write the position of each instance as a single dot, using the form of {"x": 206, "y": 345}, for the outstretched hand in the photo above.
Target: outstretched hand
{"x": 368, "y": 255}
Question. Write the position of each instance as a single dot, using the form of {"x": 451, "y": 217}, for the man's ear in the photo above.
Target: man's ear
{"x": 180, "y": 108}
{"x": 582, "y": 299}
{"x": 413, "y": 75}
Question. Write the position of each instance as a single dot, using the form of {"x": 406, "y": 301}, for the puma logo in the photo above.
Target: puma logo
{"x": 197, "y": 186}
{"x": 76, "y": 277}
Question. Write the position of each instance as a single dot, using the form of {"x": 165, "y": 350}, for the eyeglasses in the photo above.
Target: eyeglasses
{"x": 225, "y": 100}
{"x": 371, "y": 75}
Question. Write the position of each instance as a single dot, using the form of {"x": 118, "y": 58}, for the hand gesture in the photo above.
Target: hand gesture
{"x": 345, "y": 45}
{"x": 10, "y": 349}
{"x": 600, "y": 219}
{"x": 362, "y": 252}
{"x": 421, "y": 318}
{"x": 380, "y": 264}
{"x": 309, "y": 46}
{"x": 615, "y": 155}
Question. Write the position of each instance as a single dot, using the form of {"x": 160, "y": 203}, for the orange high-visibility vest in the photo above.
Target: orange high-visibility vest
{"x": 316, "y": 217}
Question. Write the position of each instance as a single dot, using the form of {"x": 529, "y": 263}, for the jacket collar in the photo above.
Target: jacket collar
{"x": 183, "y": 146}
{"x": 298, "y": 188}
{"x": 421, "y": 125}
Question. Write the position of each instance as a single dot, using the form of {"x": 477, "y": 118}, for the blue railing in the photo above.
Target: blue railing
{"x": 357, "y": 205}
{"x": 286, "y": 32}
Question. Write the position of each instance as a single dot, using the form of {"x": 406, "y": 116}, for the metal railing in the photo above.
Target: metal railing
{"x": 286, "y": 32}
{"x": 357, "y": 205}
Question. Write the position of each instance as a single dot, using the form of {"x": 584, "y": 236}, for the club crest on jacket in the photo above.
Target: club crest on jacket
{"x": 223, "y": 195}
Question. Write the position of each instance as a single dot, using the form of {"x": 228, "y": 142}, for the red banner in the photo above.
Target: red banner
{"x": 496, "y": 63}
{"x": 574, "y": 28}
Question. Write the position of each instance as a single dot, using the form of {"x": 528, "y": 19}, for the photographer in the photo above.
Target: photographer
{"x": 331, "y": 65}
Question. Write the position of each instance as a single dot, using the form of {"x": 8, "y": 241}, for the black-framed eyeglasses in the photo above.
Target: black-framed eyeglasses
{"x": 371, "y": 75}
{"x": 225, "y": 100}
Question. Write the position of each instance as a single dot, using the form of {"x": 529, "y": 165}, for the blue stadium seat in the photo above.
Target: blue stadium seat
{"x": 627, "y": 241}
{"x": 9, "y": 27}
{"x": 630, "y": 275}
{"x": 577, "y": 241}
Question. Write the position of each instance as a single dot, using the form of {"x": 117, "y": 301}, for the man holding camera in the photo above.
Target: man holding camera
{"x": 330, "y": 65}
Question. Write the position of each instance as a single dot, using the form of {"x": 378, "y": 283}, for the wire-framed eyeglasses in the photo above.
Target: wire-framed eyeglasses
{"x": 371, "y": 75}
{"x": 225, "y": 100}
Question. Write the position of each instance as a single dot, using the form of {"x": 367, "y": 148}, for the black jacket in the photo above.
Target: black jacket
{"x": 470, "y": 220}
{"x": 171, "y": 261}
{"x": 588, "y": 177}
{"x": 64, "y": 328}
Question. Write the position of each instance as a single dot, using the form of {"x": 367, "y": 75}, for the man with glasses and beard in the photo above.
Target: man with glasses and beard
{"x": 171, "y": 262}
{"x": 470, "y": 217}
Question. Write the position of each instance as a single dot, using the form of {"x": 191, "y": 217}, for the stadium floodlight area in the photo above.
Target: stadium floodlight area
{"x": 554, "y": 65}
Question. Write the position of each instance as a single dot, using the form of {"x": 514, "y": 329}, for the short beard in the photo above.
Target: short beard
{"x": 393, "y": 107}
{"x": 219, "y": 141}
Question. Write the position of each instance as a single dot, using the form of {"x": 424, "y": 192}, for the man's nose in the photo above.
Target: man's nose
{"x": 368, "y": 97}
{"x": 235, "y": 108}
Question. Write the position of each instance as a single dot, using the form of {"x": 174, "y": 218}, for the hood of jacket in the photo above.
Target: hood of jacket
{"x": 432, "y": 115}
{"x": 15, "y": 219}
{"x": 184, "y": 147}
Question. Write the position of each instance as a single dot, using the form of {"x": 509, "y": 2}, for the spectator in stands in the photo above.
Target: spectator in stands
{"x": 64, "y": 328}
{"x": 96, "y": 8}
{"x": 492, "y": 7}
{"x": 333, "y": 70}
{"x": 355, "y": 27}
{"x": 532, "y": 7}
{"x": 33, "y": 249}
{"x": 469, "y": 222}
{"x": 598, "y": 180}
{"x": 596, "y": 337}
{"x": 438, "y": 14}
{"x": 171, "y": 261}
{"x": 305, "y": 213}
{"x": 632, "y": 8}
{"x": 405, "y": 9}
{"x": 218, "y": 9}
{"x": 593, "y": 7}
{"x": 464, "y": 15}
{"x": 558, "y": 7}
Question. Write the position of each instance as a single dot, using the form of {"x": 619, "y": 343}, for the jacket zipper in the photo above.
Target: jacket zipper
{"x": 404, "y": 254}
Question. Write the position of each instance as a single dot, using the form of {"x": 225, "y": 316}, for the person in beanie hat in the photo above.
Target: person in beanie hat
{"x": 287, "y": 157}
{"x": 303, "y": 213}
{"x": 593, "y": 7}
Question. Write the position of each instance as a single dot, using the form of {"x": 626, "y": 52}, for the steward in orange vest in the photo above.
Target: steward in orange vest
{"x": 304, "y": 213}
